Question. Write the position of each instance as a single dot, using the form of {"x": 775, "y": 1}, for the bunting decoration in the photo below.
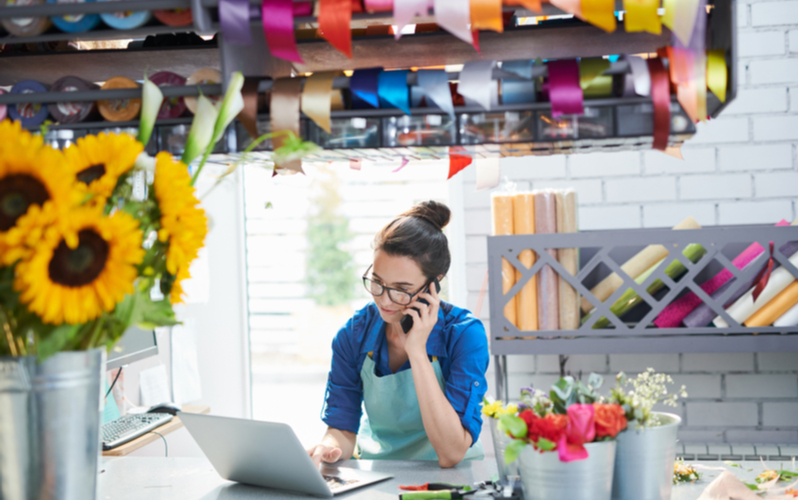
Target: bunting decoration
{"x": 334, "y": 24}
{"x": 277, "y": 17}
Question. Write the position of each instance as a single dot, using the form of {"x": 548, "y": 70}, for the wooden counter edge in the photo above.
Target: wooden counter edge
{"x": 148, "y": 438}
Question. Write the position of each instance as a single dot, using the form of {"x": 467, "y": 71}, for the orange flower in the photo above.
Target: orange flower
{"x": 609, "y": 420}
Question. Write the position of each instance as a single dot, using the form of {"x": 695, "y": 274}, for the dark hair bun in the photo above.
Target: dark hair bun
{"x": 432, "y": 211}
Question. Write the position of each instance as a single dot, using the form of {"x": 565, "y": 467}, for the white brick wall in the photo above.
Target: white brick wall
{"x": 740, "y": 168}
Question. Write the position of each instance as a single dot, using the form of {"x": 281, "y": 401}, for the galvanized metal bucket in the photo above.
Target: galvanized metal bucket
{"x": 545, "y": 477}
{"x": 644, "y": 463}
{"x": 50, "y": 426}
{"x": 501, "y": 441}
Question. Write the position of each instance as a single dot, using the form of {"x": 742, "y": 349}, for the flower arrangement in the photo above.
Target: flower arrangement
{"x": 684, "y": 473}
{"x": 496, "y": 410}
{"x": 572, "y": 416}
{"x": 648, "y": 389}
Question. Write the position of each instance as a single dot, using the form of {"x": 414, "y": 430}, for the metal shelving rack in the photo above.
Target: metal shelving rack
{"x": 610, "y": 248}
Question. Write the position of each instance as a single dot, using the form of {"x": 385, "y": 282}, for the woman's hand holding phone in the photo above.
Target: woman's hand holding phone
{"x": 425, "y": 317}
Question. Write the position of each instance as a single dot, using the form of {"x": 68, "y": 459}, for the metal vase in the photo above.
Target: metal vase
{"x": 545, "y": 477}
{"x": 50, "y": 426}
{"x": 645, "y": 460}
{"x": 501, "y": 441}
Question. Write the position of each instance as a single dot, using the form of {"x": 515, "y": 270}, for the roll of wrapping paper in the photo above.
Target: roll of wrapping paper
{"x": 202, "y": 77}
{"x": 503, "y": 225}
{"x": 172, "y": 107}
{"x": 126, "y": 20}
{"x": 71, "y": 112}
{"x": 26, "y": 26}
{"x": 631, "y": 299}
{"x": 547, "y": 278}
{"x": 788, "y": 319}
{"x": 593, "y": 82}
{"x": 634, "y": 266}
{"x": 316, "y": 101}
{"x": 567, "y": 222}
{"x": 120, "y": 110}
{"x": 703, "y": 314}
{"x": 75, "y": 23}
{"x": 746, "y": 306}
{"x": 284, "y": 114}
{"x": 775, "y": 308}
{"x": 175, "y": 17}
{"x": 527, "y": 304}
{"x": 31, "y": 115}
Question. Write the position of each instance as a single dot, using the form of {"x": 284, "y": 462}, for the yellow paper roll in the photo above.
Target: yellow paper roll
{"x": 567, "y": 222}
{"x": 775, "y": 308}
{"x": 503, "y": 225}
{"x": 527, "y": 306}
{"x": 635, "y": 266}
{"x": 119, "y": 110}
{"x": 202, "y": 77}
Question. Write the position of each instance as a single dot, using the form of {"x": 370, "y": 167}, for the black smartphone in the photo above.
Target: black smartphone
{"x": 408, "y": 321}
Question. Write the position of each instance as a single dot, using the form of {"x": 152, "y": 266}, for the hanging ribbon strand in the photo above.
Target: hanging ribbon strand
{"x": 600, "y": 13}
{"x": 405, "y": 10}
{"x": 566, "y": 96}
{"x": 531, "y": 5}
{"x": 453, "y": 15}
{"x": 642, "y": 15}
{"x": 436, "y": 88}
{"x": 518, "y": 91}
{"x": 685, "y": 15}
{"x": 316, "y": 99}
{"x": 334, "y": 24}
{"x": 373, "y": 6}
{"x": 457, "y": 162}
{"x": 717, "y": 73}
{"x": 284, "y": 114}
{"x": 659, "y": 91}
{"x": 364, "y": 87}
{"x": 234, "y": 20}
{"x": 593, "y": 82}
{"x": 393, "y": 90}
{"x": 486, "y": 15}
{"x": 475, "y": 82}
{"x": 249, "y": 114}
{"x": 637, "y": 82}
{"x": 570, "y": 7}
{"x": 277, "y": 17}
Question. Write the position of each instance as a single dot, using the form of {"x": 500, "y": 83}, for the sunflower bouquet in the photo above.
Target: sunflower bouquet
{"x": 90, "y": 244}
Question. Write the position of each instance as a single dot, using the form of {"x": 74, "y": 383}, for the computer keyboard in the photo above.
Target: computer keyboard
{"x": 123, "y": 429}
{"x": 335, "y": 482}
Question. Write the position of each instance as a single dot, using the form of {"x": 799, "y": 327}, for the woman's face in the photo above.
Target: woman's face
{"x": 401, "y": 273}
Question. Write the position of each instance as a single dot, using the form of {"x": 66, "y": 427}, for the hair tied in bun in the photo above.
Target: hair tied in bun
{"x": 432, "y": 211}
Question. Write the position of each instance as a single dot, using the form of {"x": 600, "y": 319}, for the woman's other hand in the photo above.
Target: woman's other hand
{"x": 425, "y": 318}
{"x": 324, "y": 453}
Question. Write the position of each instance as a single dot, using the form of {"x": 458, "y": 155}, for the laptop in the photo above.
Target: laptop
{"x": 270, "y": 455}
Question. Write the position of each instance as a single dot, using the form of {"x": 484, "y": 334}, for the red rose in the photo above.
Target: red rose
{"x": 551, "y": 427}
{"x": 609, "y": 420}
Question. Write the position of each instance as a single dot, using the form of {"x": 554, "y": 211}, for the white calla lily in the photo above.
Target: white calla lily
{"x": 152, "y": 97}
{"x": 202, "y": 130}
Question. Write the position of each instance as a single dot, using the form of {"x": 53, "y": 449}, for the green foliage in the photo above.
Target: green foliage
{"x": 568, "y": 391}
{"x": 513, "y": 450}
{"x": 514, "y": 425}
{"x": 330, "y": 271}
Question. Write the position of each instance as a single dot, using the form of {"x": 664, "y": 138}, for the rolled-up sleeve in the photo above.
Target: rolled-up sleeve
{"x": 466, "y": 384}
{"x": 342, "y": 407}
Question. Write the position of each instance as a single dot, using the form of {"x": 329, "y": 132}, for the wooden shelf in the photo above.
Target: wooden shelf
{"x": 148, "y": 438}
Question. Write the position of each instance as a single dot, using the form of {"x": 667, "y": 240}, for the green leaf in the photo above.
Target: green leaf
{"x": 157, "y": 313}
{"x": 513, "y": 450}
{"x": 595, "y": 380}
{"x": 731, "y": 464}
{"x": 57, "y": 340}
{"x": 268, "y": 205}
{"x": 515, "y": 425}
{"x": 751, "y": 486}
{"x": 545, "y": 444}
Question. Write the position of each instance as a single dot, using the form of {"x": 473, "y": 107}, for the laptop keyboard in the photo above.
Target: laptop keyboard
{"x": 335, "y": 482}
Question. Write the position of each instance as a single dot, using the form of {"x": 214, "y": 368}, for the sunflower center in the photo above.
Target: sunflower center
{"x": 91, "y": 174}
{"x": 81, "y": 265}
{"x": 17, "y": 193}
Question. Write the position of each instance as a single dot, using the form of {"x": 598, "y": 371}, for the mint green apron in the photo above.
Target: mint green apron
{"x": 391, "y": 428}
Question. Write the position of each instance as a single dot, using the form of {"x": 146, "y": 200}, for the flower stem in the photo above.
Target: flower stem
{"x": 12, "y": 347}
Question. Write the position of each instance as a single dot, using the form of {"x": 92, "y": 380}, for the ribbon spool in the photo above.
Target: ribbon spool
{"x": 120, "y": 110}
{"x": 3, "y": 109}
{"x": 175, "y": 17}
{"x": 71, "y": 112}
{"x": 26, "y": 26}
{"x": 31, "y": 115}
{"x": 172, "y": 107}
{"x": 75, "y": 23}
{"x": 126, "y": 20}
{"x": 202, "y": 77}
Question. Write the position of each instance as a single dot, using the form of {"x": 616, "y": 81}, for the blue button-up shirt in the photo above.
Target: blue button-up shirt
{"x": 458, "y": 340}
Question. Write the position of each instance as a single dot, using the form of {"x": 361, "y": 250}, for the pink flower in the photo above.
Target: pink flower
{"x": 580, "y": 430}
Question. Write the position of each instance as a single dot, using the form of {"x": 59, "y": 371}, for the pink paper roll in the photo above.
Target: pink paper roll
{"x": 547, "y": 278}
{"x": 672, "y": 316}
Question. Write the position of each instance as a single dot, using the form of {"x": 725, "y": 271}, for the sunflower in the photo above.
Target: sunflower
{"x": 82, "y": 267}
{"x": 31, "y": 175}
{"x": 12, "y": 134}
{"x": 183, "y": 223}
{"x": 99, "y": 161}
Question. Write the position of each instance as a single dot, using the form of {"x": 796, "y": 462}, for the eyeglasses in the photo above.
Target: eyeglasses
{"x": 399, "y": 297}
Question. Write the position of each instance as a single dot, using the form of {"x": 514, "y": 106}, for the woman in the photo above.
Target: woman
{"x": 422, "y": 390}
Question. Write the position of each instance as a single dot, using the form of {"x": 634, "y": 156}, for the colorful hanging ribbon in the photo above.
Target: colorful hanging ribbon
{"x": 642, "y": 15}
{"x": 593, "y": 82}
{"x": 284, "y": 114}
{"x": 475, "y": 82}
{"x": 316, "y": 100}
{"x": 277, "y": 17}
{"x": 532, "y": 5}
{"x": 487, "y": 173}
{"x": 457, "y": 162}
{"x": 564, "y": 87}
{"x": 373, "y": 6}
{"x": 405, "y": 10}
{"x": 486, "y": 15}
{"x": 763, "y": 276}
{"x": 659, "y": 91}
{"x": 717, "y": 73}
{"x": 518, "y": 91}
{"x": 234, "y": 20}
{"x": 364, "y": 87}
{"x": 570, "y": 7}
{"x": 249, "y": 114}
{"x": 684, "y": 14}
{"x": 453, "y": 15}
{"x": 334, "y": 23}
{"x": 599, "y": 13}
{"x": 436, "y": 88}
{"x": 700, "y": 84}
{"x": 393, "y": 90}
{"x": 637, "y": 82}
